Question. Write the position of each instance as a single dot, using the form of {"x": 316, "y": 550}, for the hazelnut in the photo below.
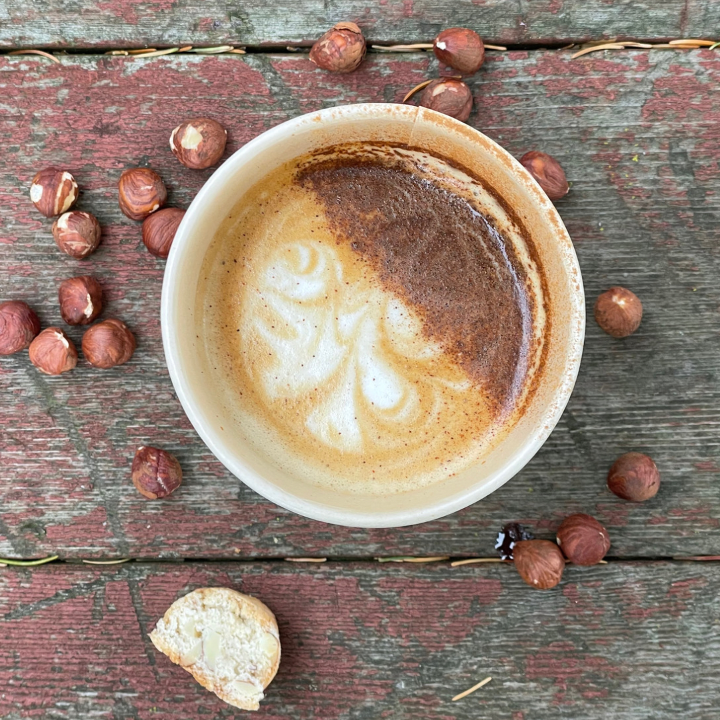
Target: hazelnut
{"x": 18, "y": 326}
{"x": 107, "y": 344}
{"x": 198, "y": 143}
{"x": 77, "y": 233}
{"x": 53, "y": 352}
{"x": 341, "y": 49}
{"x": 80, "y": 300}
{"x": 539, "y": 562}
{"x": 583, "y": 540}
{"x": 155, "y": 473}
{"x": 618, "y": 312}
{"x": 53, "y": 191}
{"x": 158, "y": 230}
{"x": 634, "y": 477}
{"x": 547, "y": 173}
{"x": 141, "y": 192}
{"x": 461, "y": 49}
{"x": 448, "y": 96}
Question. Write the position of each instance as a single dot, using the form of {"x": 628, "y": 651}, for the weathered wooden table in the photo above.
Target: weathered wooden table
{"x": 639, "y": 134}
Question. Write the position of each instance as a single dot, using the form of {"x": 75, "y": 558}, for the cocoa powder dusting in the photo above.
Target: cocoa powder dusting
{"x": 441, "y": 256}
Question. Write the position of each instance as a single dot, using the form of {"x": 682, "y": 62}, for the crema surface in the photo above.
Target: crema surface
{"x": 374, "y": 318}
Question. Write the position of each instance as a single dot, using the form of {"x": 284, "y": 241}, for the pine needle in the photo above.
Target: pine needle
{"x": 402, "y": 48}
{"x": 303, "y": 560}
{"x": 597, "y": 48}
{"x": 35, "y": 52}
{"x": 472, "y": 689}
{"x": 470, "y": 561}
{"x": 213, "y": 50}
{"x": 157, "y": 53}
{"x": 403, "y": 558}
{"x": 29, "y": 563}
{"x": 416, "y": 89}
{"x": 693, "y": 41}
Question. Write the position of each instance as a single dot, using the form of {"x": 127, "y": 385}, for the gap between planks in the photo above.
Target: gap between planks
{"x": 413, "y": 46}
{"x": 454, "y": 563}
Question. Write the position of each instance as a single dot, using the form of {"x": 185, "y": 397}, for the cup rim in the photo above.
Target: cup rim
{"x": 327, "y": 512}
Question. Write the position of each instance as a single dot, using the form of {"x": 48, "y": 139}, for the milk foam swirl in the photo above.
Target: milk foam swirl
{"x": 323, "y": 359}
{"x": 347, "y": 357}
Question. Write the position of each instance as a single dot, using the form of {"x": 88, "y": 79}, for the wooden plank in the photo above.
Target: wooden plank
{"x": 638, "y": 135}
{"x": 129, "y": 24}
{"x": 627, "y": 640}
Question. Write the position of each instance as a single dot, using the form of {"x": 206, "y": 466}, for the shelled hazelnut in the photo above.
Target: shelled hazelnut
{"x": 158, "y": 230}
{"x": 634, "y": 477}
{"x": 461, "y": 49}
{"x": 448, "y": 96}
{"x": 618, "y": 311}
{"x": 547, "y": 172}
{"x": 341, "y": 49}
{"x": 107, "y": 344}
{"x": 583, "y": 540}
{"x": 53, "y": 352}
{"x": 53, "y": 191}
{"x": 198, "y": 143}
{"x": 80, "y": 300}
{"x": 77, "y": 233}
{"x": 539, "y": 562}
{"x": 141, "y": 191}
{"x": 18, "y": 326}
{"x": 155, "y": 473}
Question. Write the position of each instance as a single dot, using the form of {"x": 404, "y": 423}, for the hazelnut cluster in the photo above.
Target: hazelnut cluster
{"x": 342, "y": 49}
{"x": 54, "y": 192}
{"x": 80, "y": 298}
{"x": 463, "y": 50}
{"x": 198, "y": 144}
{"x": 581, "y": 539}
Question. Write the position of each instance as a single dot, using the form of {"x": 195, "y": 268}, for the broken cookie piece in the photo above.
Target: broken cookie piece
{"x": 228, "y": 641}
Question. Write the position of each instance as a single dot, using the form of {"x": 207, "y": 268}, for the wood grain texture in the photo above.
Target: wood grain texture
{"x": 362, "y": 641}
{"x": 639, "y": 136}
{"x": 129, "y": 24}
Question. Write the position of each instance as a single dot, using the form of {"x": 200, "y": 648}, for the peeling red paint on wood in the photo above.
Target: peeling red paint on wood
{"x": 163, "y": 23}
{"x": 363, "y": 640}
{"x": 650, "y": 224}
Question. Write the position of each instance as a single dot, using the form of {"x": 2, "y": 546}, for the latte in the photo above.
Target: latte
{"x": 374, "y": 317}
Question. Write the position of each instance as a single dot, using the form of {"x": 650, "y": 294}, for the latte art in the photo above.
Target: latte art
{"x": 373, "y": 319}
{"x": 348, "y": 356}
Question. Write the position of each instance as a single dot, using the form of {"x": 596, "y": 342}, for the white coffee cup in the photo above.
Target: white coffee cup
{"x": 439, "y": 134}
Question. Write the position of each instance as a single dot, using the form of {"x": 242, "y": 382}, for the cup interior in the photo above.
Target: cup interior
{"x": 437, "y": 134}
